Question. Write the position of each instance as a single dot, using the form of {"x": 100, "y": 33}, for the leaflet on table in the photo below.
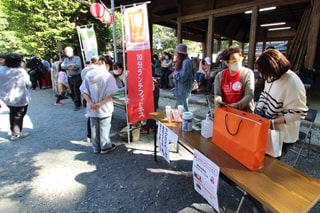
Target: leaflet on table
{"x": 196, "y": 124}
{"x": 164, "y": 137}
{"x": 206, "y": 178}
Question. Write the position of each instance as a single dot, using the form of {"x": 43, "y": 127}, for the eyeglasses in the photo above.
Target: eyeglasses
{"x": 235, "y": 60}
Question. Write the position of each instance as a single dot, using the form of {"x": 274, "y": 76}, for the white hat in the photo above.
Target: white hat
{"x": 182, "y": 49}
{"x": 207, "y": 60}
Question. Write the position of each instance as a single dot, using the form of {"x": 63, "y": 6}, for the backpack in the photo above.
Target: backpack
{"x": 40, "y": 67}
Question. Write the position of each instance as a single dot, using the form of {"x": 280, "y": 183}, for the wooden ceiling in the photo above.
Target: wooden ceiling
{"x": 230, "y": 21}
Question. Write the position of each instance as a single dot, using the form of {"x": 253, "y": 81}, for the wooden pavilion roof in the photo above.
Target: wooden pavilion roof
{"x": 230, "y": 20}
{"x": 205, "y": 20}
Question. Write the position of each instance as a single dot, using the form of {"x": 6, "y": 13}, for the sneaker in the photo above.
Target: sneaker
{"x": 64, "y": 97}
{"x": 58, "y": 103}
{"x": 105, "y": 151}
{"x": 89, "y": 140}
{"x": 17, "y": 137}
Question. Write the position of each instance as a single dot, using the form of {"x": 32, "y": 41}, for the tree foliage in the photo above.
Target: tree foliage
{"x": 44, "y": 27}
{"x": 40, "y": 27}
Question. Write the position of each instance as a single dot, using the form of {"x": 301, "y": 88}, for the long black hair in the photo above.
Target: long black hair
{"x": 13, "y": 60}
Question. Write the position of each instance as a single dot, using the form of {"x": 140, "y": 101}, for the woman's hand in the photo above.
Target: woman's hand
{"x": 218, "y": 100}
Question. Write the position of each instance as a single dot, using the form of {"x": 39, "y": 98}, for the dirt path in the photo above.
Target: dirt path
{"x": 54, "y": 169}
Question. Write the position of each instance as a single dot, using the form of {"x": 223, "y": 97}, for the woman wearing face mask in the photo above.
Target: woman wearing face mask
{"x": 234, "y": 86}
{"x": 120, "y": 76}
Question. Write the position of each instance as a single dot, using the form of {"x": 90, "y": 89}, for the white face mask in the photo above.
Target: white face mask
{"x": 235, "y": 66}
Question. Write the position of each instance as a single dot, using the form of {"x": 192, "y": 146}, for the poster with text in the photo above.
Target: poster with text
{"x": 206, "y": 178}
{"x": 139, "y": 67}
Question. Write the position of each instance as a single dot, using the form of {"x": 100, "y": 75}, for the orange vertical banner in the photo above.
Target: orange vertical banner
{"x": 139, "y": 67}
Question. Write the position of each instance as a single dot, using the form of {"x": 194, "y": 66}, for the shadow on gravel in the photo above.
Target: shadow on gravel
{"x": 54, "y": 169}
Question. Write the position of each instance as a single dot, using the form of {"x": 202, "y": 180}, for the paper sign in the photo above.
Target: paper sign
{"x": 206, "y": 178}
{"x": 164, "y": 137}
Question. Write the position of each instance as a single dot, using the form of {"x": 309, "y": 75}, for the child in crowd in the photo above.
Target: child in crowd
{"x": 150, "y": 124}
{"x": 63, "y": 87}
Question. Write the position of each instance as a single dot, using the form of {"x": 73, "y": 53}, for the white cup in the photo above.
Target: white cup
{"x": 168, "y": 113}
{"x": 180, "y": 109}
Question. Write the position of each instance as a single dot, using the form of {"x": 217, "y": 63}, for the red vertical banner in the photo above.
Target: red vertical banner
{"x": 139, "y": 67}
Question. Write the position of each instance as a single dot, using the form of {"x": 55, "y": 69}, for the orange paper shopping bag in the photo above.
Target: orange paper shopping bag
{"x": 242, "y": 135}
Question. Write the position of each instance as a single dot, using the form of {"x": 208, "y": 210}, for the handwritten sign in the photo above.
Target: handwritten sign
{"x": 164, "y": 137}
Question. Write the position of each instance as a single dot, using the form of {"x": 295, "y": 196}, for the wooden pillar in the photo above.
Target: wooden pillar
{"x": 219, "y": 44}
{"x": 179, "y": 23}
{"x": 242, "y": 45}
{"x": 179, "y": 32}
{"x": 210, "y": 36}
{"x": 252, "y": 38}
{"x": 313, "y": 35}
{"x": 264, "y": 45}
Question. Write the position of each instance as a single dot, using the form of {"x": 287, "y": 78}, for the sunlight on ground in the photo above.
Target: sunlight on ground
{"x": 167, "y": 171}
{"x": 57, "y": 179}
{"x": 4, "y": 118}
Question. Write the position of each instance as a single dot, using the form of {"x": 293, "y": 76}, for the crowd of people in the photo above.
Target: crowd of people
{"x": 281, "y": 98}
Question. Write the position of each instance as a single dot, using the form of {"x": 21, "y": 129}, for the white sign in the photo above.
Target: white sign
{"x": 88, "y": 40}
{"x": 206, "y": 178}
{"x": 164, "y": 137}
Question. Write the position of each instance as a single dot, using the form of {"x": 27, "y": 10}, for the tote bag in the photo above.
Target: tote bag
{"x": 274, "y": 142}
{"x": 242, "y": 135}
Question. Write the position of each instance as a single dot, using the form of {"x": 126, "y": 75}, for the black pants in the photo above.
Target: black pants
{"x": 75, "y": 83}
{"x": 164, "y": 81}
{"x": 88, "y": 128}
{"x": 16, "y": 116}
{"x": 36, "y": 79}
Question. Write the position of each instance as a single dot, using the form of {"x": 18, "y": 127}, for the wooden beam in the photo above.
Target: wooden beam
{"x": 313, "y": 35}
{"x": 210, "y": 36}
{"x": 179, "y": 23}
{"x": 236, "y": 8}
{"x": 252, "y": 38}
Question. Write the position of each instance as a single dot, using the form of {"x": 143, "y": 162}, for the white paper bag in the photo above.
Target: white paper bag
{"x": 274, "y": 143}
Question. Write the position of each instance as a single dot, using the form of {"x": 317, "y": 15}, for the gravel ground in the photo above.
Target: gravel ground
{"x": 54, "y": 169}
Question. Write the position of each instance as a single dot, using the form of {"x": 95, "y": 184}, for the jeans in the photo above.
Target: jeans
{"x": 100, "y": 133}
{"x": 199, "y": 77}
{"x": 16, "y": 116}
{"x": 183, "y": 100}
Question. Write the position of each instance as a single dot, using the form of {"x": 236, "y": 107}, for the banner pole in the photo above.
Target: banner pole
{"x": 114, "y": 33}
{"x": 125, "y": 69}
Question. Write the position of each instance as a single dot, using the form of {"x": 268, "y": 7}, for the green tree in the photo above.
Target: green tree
{"x": 164, "y": 39}
{"x": 8, "y": 42}
{"x": 43, "y": 25}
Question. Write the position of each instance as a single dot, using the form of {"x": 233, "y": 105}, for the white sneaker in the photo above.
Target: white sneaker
{"x": 17, "y": 137}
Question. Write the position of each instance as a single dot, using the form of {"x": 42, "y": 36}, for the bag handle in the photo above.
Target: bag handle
{"x": 225, "y": 123}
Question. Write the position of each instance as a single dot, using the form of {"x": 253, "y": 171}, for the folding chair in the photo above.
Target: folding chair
{"x": 305, "y": 133}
